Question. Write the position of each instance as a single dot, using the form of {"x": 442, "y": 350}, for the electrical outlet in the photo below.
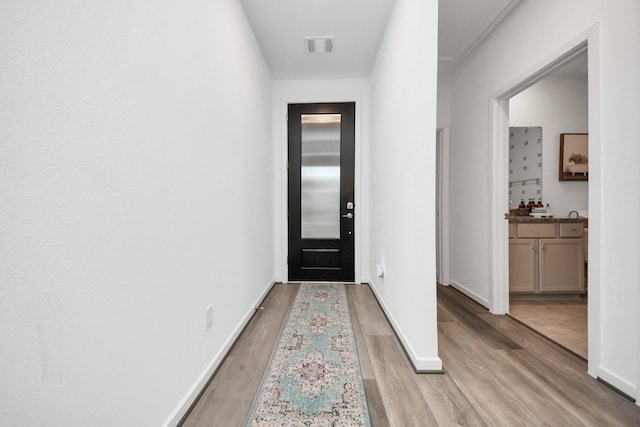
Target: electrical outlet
{"x": 379, "y": 268}
{"x": 209, "y": 316}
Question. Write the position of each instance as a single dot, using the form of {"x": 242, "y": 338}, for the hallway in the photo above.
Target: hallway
{"x": 497, "y": 372}
{"x": 144, "y": 206}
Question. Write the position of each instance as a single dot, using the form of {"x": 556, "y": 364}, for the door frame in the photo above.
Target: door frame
{"x": 442, "y": 205}
{"x": 318, "y": 249}
{"x": 499, "y": 143}
{"x": 283, "y": 190}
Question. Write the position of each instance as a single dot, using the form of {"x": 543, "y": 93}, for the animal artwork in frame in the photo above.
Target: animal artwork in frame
{"x": 574, "y": 157}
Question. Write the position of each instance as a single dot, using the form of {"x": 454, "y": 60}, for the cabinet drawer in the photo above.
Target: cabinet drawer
{"x": 571, "y": 229}
{"x": 537, "y": 230}
{"x": 512, "y": 231}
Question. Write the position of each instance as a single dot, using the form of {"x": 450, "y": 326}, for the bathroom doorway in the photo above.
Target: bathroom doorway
{"x": 539, "y": 115}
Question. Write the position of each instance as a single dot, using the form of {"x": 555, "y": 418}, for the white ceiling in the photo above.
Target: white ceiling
{"x": 281, "y": 25}
{"x": 358, "y": 27}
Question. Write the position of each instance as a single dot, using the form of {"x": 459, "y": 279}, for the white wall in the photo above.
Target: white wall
{"x": 534, "y": 34}
{"x": 638, "y": 186}
{"x": 402, "y": 176}
{"x": 312, "y": 91}
{"x": 558, "y": 104}
{"x": 133, "y": 193}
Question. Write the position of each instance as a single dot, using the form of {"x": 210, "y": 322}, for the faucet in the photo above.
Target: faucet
{"x": 575, "y": 212}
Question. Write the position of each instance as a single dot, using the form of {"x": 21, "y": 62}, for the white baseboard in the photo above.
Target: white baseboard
{"x": 615, "y": 381}
{"x": 420, "y": 364}
{"x": 430, "y": 365}
{"x": 477, "y": 298}
{"x": 202, "y": 381}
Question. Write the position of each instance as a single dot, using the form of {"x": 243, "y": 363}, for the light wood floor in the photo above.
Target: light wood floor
{"x": 497, "y": 372}
{"x": 563, "y": 321}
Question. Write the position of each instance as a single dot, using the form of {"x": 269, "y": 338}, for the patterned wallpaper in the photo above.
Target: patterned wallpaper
{"x": 525, "y": 164}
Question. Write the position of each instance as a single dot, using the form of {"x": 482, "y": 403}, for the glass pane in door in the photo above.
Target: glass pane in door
{"x": 320, "y": 176}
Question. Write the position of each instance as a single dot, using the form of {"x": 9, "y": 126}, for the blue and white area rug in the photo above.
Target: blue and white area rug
{"x": 314, "y": 376}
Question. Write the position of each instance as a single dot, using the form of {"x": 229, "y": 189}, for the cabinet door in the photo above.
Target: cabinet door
{"x": 561, "y": 265}
{"x": 523, "y": 265}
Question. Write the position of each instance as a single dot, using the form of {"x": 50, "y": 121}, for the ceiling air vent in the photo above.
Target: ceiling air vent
{"x": 319, "y": 45}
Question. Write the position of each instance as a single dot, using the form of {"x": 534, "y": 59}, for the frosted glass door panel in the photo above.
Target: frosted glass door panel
{"x": 320, "y": 176}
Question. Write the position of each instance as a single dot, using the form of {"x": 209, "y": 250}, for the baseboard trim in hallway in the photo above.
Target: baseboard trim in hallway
{"x": 186, "y": 405}
{"x": 420, "y": 365}
{"x": 617, "y": 390}
{"x": 469, "y": 293}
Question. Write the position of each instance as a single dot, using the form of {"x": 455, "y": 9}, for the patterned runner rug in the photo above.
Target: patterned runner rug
{"x": 314, "y": 377}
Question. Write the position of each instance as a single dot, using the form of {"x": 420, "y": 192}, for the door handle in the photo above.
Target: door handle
{"x": 348, "y": 215}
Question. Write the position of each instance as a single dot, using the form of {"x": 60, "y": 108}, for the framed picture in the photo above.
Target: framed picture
{"x": 574, "y": 157}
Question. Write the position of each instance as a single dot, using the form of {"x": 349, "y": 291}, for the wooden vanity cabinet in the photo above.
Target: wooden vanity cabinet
{"x": 546, "y": 257}
{"x": 523, "y": 265}
{"x": 561, "y": 265}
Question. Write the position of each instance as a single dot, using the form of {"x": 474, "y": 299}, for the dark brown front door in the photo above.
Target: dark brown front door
{"x": 321, "y": 184}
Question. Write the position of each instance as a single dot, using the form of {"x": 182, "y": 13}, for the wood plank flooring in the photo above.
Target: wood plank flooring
{"x": 563, "y": 321}
{"x": 497, "y": 372}
{"x": 228, "y": 398}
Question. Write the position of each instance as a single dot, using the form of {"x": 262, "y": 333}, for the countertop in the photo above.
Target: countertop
{"x": 519, "y": 219}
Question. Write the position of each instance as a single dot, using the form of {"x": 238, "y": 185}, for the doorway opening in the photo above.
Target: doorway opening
{"x": 548, "y": 258}
{"x": 499, "y": 291}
